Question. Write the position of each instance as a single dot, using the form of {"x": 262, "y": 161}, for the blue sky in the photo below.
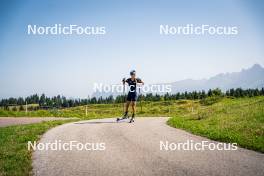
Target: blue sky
{"x": 69, "y": 65}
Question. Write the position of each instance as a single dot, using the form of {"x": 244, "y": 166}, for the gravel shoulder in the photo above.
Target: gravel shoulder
{"x": 9, "y": 121}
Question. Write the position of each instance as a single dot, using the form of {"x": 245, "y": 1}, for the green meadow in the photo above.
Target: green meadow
{"x": 226, "y": 119}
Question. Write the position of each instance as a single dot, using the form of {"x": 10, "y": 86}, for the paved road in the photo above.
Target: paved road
{"x": 8, "y": 121}
{"x": 134, "y": 149}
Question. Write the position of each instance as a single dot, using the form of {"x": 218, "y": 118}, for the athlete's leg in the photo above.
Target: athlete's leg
{"x": 127, "y": 106}
{"x": 133, "y": 104}
{"x": 126, "y": 110}
{"x": 128, "y": 100}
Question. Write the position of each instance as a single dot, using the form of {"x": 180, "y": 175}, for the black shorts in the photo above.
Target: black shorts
{"x": 132, "y": 96}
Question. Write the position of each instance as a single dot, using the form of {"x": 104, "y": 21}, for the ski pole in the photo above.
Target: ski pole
{"x": 124, "y": 79}
{"x": 139, "y": 96}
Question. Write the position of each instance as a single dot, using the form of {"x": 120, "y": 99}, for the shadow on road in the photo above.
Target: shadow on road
{"x": 99, "y": 122}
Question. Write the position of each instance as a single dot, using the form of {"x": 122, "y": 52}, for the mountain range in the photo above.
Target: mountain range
{"x": 252, "y": 77}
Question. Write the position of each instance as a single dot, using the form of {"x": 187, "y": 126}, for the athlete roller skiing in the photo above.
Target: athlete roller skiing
{"x": 132, "y": 95}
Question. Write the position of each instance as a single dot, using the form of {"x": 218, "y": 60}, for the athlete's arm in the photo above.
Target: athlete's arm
{"x": 140, "y": 81}
{"x": 124, "y": 80}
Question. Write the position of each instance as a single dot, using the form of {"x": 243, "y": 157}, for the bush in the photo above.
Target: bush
{"x": 21, "y": 108}
{"x": 210, "y": 100}
{"x": 182, "y": 102}
{"x": 14, "y": 108}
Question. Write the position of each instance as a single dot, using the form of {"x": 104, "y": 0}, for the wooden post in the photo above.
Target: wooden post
{"x": 86, "y": 110}
{"x": 26, "y": 108}
{"x": 86, "y": 107}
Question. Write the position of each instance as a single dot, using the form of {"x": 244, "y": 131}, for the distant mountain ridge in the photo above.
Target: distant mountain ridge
{"x": 252, "y": 77}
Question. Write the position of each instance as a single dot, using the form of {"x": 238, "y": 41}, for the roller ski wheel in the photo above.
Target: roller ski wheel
{"x": 132, "y": 119}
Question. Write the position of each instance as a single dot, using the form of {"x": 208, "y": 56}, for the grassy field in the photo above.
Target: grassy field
{"x": 160, "y": 108}
{"x": 225, "y": 119}
{"x": 239, "y": 120}
{"x": 228, "y": 120}
{"x": 15, "y": 159}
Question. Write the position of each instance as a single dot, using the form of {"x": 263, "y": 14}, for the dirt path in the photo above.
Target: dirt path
{"x": 8, "y": 121}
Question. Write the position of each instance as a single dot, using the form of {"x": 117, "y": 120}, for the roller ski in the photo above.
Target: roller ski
{"x": 125, "y": 116}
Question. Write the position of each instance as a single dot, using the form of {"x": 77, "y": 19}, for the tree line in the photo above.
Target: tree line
{"x": 59, "y": 101}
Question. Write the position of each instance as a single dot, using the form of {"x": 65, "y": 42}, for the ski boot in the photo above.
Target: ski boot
{"x": 132, "y": 118}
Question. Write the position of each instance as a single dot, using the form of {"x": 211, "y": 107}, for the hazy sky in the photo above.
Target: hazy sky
{"x": 69, "y": 65}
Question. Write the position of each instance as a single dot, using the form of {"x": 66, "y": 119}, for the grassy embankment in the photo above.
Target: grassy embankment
{"x": 15, "y": 159}
{"x": 228, "y": 120}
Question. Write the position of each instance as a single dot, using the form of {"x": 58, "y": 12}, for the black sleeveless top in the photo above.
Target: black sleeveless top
{"x": 133, "y": 84}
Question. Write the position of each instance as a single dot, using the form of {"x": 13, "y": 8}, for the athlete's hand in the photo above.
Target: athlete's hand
{"x": 124, "y": 80}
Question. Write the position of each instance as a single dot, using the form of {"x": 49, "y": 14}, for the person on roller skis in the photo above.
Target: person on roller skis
{"x": 132, "y": 94}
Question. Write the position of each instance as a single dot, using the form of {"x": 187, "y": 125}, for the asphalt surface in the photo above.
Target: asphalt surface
{"x": 9, "y": 121}
{"x": 134, "y": 149}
